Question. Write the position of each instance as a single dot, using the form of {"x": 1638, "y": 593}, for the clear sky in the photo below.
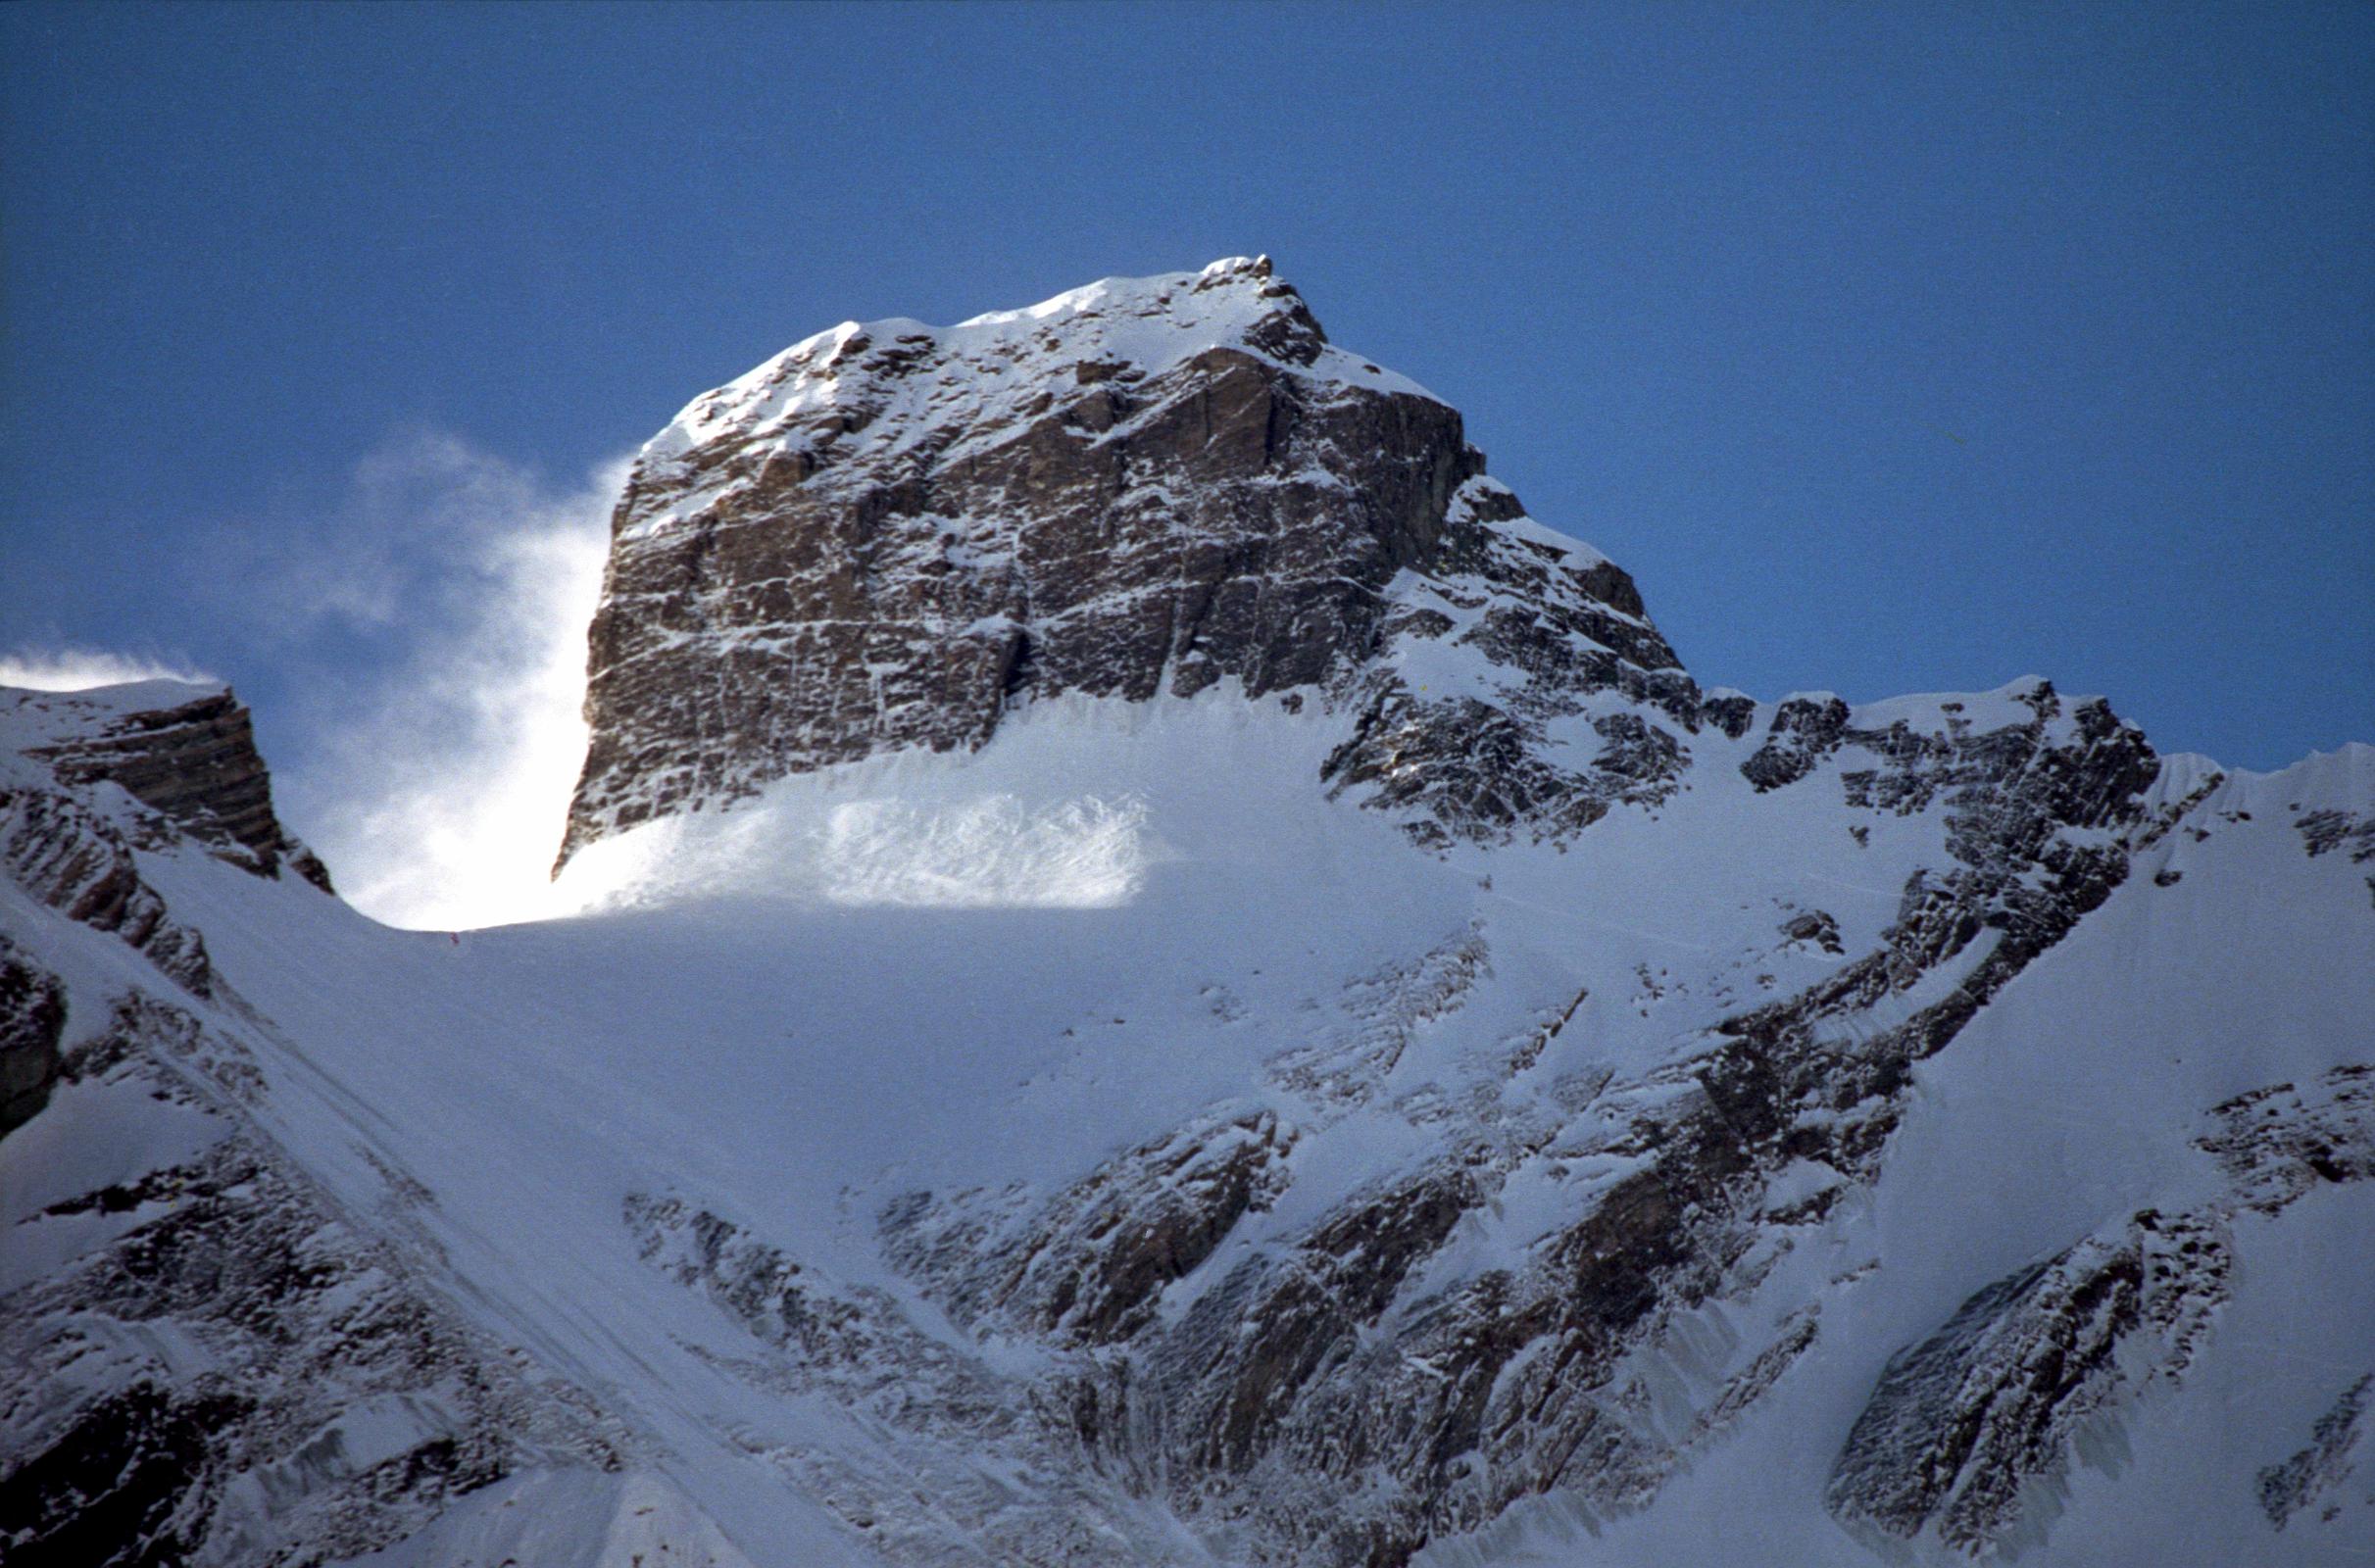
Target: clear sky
{"x": 1892, "y": 347}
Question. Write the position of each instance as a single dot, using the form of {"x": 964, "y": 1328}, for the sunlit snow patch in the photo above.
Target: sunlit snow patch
{"x": 991, "y": 853}
{"x": 1076, "y": 805}
{"x": 981, "y": 851}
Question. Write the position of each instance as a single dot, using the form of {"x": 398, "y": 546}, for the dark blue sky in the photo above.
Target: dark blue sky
{"x": 1893, "y": 348}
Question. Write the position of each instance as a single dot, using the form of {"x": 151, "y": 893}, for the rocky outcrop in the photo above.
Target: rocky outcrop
{"x": 1444, "y": 1228}
{"x": 1964, "y": 1425}
{"x": 969, "y": 1429}
{"x": 1804, "y": 731}
{"x": 2033, "y": 813}
{"x": 217, "y": 1361}
{"x": 1520, "y": 689}
{"x": 2304, "y": 1479}
{"x": 193, "y": 761}
{"x": 33, "y": 1018}
{"x": 1315, "y": 1364}
{"x": 1345, "y": 1061}
{"x": 2277, "y": 1142}
{"x": 2326, "y": 831}
{"x": 68, "y": 856}
{"x": 1817, "y": 926}
{"x": 1089, "y": 1270}
{"x": 1968, "y": 1428}
{"x": 889, "y": 534}
{"x": 184, "y": 759}
{"x": 226, "y": 1367}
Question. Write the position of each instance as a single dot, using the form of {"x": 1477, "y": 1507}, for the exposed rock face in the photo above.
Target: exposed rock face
{"x": 216, "y": 1360}
{"x": 1967, "y": 1426}
{"x": 1088, "y": 1271}
{"x": 186, "y": 758}
{"x": 889, "y": 534}
{"x": 1318, "y": 1360}
{"x": 2278, "y": 1143}
{"x": 1963, "y": 1424}
{"x": 1521, "y": 688}
{"x": 967, "y": 1424}
{"x": 2305, "y": 1478}
{"x": 194, "y": 762}
{"x": 2025, "y": 807}
{"x": 32, "y": 1017}
{"x": 1464, "y": 1192}
{"x": 1817, "y": 926}
{"x": 1803, "y": 730}
{"x": 66, "y": 848}
{"x": 2322, "y": 832}
{"x": 230, "y": 1369}
{"x": 80, "y": 863}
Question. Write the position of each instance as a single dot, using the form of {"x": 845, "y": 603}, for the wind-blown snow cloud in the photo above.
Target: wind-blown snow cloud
{"x": 941, "y": 843}
{"x": 74, "y": 670}
{"x": 436, "y": 781}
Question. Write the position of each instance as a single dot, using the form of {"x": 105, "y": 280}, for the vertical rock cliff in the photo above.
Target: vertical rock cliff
{"x": 891, "y": 534}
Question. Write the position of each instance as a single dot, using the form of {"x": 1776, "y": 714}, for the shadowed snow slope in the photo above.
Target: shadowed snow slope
{"x": 725, "y": 1160}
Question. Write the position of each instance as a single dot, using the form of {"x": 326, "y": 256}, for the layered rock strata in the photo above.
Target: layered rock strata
{"x": 888, "y": 535}
{"x": 193, "y": 761}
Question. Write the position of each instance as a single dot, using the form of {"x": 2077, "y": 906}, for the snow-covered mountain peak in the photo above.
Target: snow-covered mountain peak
{"x": 1163, "y": 976}
{"x": 987, "y": 371}
{"x": 182, "y": 752}
{"x": 32, "y": 717}
{"x": 891, "y": 535}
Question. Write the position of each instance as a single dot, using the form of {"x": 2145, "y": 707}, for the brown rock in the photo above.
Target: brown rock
{"x": 886, "y": 537}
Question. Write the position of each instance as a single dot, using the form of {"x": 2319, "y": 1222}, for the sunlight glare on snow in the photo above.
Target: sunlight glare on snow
{"x": 946, "y": 850}
{"x": 1079, "y": 803}
{"x": 990, "y": 852}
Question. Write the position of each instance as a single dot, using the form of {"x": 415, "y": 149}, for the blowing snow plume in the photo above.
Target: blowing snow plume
{"x": 937, "y": 845}
{"x": 74, "y": 670}
{"x": 438, "y": 796}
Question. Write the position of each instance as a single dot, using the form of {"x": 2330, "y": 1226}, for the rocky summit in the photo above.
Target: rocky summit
{"x": 1160, "y": 975}
{"x": 890, "y": 535}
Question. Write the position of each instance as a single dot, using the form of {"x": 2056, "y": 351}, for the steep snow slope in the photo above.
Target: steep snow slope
{"x": 797, "y": 1059}
{"x": 2070, "y": 1105}
{"x": 1469, "y": 1096}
